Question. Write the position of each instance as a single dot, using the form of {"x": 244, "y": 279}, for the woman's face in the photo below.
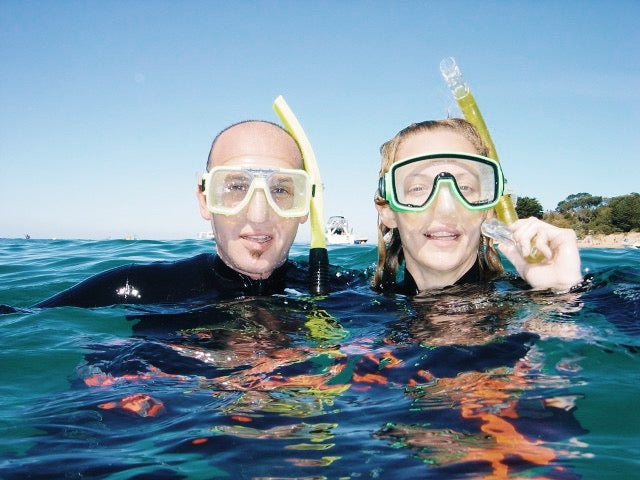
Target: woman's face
{"x": 441, "y": 243}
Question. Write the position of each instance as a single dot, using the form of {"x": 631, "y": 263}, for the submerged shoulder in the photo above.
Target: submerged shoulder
{"x": 136, "y": 283}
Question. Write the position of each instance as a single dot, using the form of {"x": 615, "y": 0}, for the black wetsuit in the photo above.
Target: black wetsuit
{"x": 408, "y": 285}
{"x": 203, "y": 278}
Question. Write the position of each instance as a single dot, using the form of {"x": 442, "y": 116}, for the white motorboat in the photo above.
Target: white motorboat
{"x": 338, "y": 232}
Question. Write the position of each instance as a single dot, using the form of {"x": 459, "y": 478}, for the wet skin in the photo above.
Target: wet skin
{"x": 256, "y": 240}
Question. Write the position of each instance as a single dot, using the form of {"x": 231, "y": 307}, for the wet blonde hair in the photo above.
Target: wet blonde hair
{"x": 390, "y": 254}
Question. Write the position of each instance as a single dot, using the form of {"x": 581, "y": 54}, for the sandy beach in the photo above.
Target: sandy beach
{"x": 615, "y": 240}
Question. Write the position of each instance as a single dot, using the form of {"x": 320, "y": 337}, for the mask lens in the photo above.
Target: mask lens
{"x": 288, "y": 191}
{"x": 230, "y": 188}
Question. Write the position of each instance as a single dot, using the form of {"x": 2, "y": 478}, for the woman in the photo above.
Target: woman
{"x": 436, "y": 189}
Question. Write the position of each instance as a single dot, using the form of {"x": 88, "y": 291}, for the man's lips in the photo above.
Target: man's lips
{"x": 256, "y": 237}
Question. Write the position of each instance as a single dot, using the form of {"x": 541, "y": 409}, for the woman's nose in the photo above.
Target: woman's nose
{"x": 445, "y": 201}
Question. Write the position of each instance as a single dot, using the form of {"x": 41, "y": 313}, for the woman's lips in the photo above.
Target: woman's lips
{"x": 444, "y": 234}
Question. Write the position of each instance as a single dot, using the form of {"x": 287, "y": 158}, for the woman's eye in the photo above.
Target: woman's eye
{"x": 416, "y": 189}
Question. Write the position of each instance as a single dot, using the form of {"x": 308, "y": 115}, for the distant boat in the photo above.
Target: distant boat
{"x": 205, "y": 235}
{"x": 337, "y": 232}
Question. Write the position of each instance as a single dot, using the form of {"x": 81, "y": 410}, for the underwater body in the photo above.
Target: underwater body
{"x": 477, "y": 381}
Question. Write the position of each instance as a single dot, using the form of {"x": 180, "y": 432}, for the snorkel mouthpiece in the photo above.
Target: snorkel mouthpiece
{"x": 500, "y": 233}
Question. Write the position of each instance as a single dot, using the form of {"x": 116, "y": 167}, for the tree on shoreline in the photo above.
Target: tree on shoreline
{"x": 625, "y": 212}
{"x": 529, "y": 207}
{"x": 588, "y": 214}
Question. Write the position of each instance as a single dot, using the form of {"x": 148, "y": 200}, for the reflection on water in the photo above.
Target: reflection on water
{"x": 443, "y": 378}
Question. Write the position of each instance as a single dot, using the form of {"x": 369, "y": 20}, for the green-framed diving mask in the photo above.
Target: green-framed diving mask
{"x": 411, "y": 184}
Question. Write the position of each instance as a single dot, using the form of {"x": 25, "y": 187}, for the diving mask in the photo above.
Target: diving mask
{"x": 412, "y": 184}
{"x": 229, "y": 189}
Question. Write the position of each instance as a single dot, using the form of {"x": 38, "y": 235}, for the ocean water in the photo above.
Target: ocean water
{"x": 488, "y": 382}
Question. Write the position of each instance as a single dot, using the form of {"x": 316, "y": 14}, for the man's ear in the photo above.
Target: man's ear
{"x": 387, "y": 216}
{"x": 304, "y": 219}
{"x": 204, "y": 211}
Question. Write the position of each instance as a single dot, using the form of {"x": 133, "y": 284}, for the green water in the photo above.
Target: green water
{"x": 563, "y": 371}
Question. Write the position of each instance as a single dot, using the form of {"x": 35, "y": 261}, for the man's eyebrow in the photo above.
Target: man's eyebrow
{"x": 284, "y": 179}
{"x": 236, "y": 176}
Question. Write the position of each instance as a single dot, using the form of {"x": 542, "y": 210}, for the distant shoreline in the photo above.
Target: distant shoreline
{"x": 614, "y": 240}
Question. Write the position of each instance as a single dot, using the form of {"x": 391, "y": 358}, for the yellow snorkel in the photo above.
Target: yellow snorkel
{"x": 505, "y": 210}
{"x": 318, "y": 256}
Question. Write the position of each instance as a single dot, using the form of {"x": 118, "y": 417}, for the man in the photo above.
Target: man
{"x": 255, "y": 240}
{"x": 256, "y": 194}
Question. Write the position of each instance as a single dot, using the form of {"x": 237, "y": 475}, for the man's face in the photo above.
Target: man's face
{"x": 256, "y": 240}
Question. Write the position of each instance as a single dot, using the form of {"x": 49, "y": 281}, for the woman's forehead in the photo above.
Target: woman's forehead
{"x": 427, "y": 142}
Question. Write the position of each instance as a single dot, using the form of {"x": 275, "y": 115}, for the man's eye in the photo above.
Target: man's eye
{"x": 237, "y": 187}
{"x": 281, "y": 191}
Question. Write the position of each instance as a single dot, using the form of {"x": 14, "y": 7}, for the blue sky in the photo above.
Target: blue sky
{"x": 108, "y": 109}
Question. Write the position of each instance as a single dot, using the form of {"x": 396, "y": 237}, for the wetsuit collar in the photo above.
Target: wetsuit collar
{"x": 231, "y": 281}
{"x": 409, "y": 287}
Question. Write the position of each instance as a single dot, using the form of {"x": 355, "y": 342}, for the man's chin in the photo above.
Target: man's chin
{"x": 258, "y": 270}
{"x": 253, "y": 262}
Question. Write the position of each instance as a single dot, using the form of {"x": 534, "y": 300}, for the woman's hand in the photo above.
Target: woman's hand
{"x": 560, "y": 268}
